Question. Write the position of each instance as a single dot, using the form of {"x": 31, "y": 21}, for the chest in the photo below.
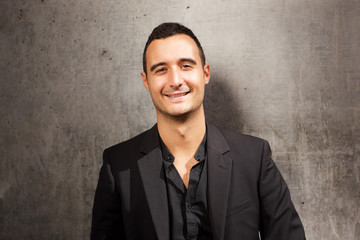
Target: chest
{"x": 183, "y": 167}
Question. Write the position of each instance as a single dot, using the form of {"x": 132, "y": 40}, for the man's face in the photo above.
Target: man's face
{"x": 175, "y": 75}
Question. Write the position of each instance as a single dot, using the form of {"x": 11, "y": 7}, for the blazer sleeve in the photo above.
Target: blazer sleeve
{"x": 107, "y": 220}
{"x": 279, "y": 219}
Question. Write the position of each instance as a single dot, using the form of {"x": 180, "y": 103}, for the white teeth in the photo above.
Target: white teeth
{"x": 177, "y": 95}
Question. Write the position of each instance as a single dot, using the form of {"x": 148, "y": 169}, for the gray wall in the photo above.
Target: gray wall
{"x": 287, "y": 71}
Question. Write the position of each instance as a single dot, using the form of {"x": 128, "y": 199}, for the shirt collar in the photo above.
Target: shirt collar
{"x": 199, "y": 155}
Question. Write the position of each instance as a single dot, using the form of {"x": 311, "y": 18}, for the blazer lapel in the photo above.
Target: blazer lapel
{"x": 219, "y": 175}
{"x": 152, "y": 174}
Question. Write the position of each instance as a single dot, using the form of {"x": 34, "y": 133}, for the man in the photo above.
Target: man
{"x": 185, "y": 178}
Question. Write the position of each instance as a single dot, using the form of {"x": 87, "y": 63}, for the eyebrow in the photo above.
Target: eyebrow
{"x": 190, "y": 60}
{"x": 156, "y": 65}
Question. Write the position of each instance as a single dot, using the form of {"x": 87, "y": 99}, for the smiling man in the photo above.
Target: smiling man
{"x": 185, "y": 178}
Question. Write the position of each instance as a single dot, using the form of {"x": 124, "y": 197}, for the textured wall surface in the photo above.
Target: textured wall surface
{"x": 287, "y": 71}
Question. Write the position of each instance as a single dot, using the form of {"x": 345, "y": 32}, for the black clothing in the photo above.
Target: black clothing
{"x": 245, "y": 191}
{"x": 189, "y": 218}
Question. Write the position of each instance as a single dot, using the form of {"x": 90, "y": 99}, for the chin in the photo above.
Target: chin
{"x": 174, "y": 113}
{"x": 183, "y": 114}
{"x": 178, "y": 114}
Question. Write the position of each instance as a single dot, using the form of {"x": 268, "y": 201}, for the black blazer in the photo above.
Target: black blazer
{"x": 246, "y": 192}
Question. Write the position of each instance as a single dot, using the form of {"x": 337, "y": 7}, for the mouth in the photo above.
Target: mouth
{"x": 174, "y": 95}
{"x": 177, "y": 95}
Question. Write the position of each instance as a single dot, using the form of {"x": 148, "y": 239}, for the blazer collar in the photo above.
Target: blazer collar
{"x": 150, "y": 141}
{"x": 216, "y": 139}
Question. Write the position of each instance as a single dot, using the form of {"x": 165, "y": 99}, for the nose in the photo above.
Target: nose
{"x": 175, "y": 79}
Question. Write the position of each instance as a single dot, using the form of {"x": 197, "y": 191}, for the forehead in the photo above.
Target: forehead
{"x": 172, "y": 48}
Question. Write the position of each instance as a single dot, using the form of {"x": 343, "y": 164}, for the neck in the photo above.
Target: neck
{"x": 182, "y": 134}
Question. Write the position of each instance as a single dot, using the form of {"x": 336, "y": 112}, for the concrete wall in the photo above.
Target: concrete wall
{"x": 287, "y": 71}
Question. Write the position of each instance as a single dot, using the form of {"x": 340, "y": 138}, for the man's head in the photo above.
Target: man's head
{"x": 169, "y": 29}
{"x": 175, "y": 73}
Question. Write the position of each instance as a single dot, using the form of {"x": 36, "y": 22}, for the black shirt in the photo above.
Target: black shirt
{"x": 189, "y": 217}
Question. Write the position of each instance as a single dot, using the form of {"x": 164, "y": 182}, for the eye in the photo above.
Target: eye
{"x": 160, "y": 70}
{"x": 186, "y": 66}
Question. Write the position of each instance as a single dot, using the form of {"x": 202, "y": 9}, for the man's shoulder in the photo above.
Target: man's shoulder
{"x": 245, "y": 150}
{"x": 135, "y": 142}
{"x": 236, "y": 137}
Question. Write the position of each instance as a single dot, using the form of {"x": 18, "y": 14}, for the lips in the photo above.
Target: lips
{"x": 176, "y": 94}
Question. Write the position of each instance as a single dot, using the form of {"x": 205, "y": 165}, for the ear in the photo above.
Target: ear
{"x": 206, "y": 73}
{"x": 144, "y": 80}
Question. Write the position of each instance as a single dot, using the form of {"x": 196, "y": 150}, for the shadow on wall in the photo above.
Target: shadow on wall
{"x": 221, "y": 105}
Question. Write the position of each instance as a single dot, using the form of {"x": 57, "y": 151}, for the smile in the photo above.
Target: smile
{"x": 177, "y": 95}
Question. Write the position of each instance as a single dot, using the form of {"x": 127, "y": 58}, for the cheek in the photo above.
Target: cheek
{"x": 191, "y": 75}
{"x": 155, "y": 83}
{"x": 158, "y": 87}
{"x": 197, "y": 80}
{"x": 192, "y": 78}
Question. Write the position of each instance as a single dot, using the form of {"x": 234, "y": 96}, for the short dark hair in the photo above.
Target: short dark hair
{"x": 169, "y": 29}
